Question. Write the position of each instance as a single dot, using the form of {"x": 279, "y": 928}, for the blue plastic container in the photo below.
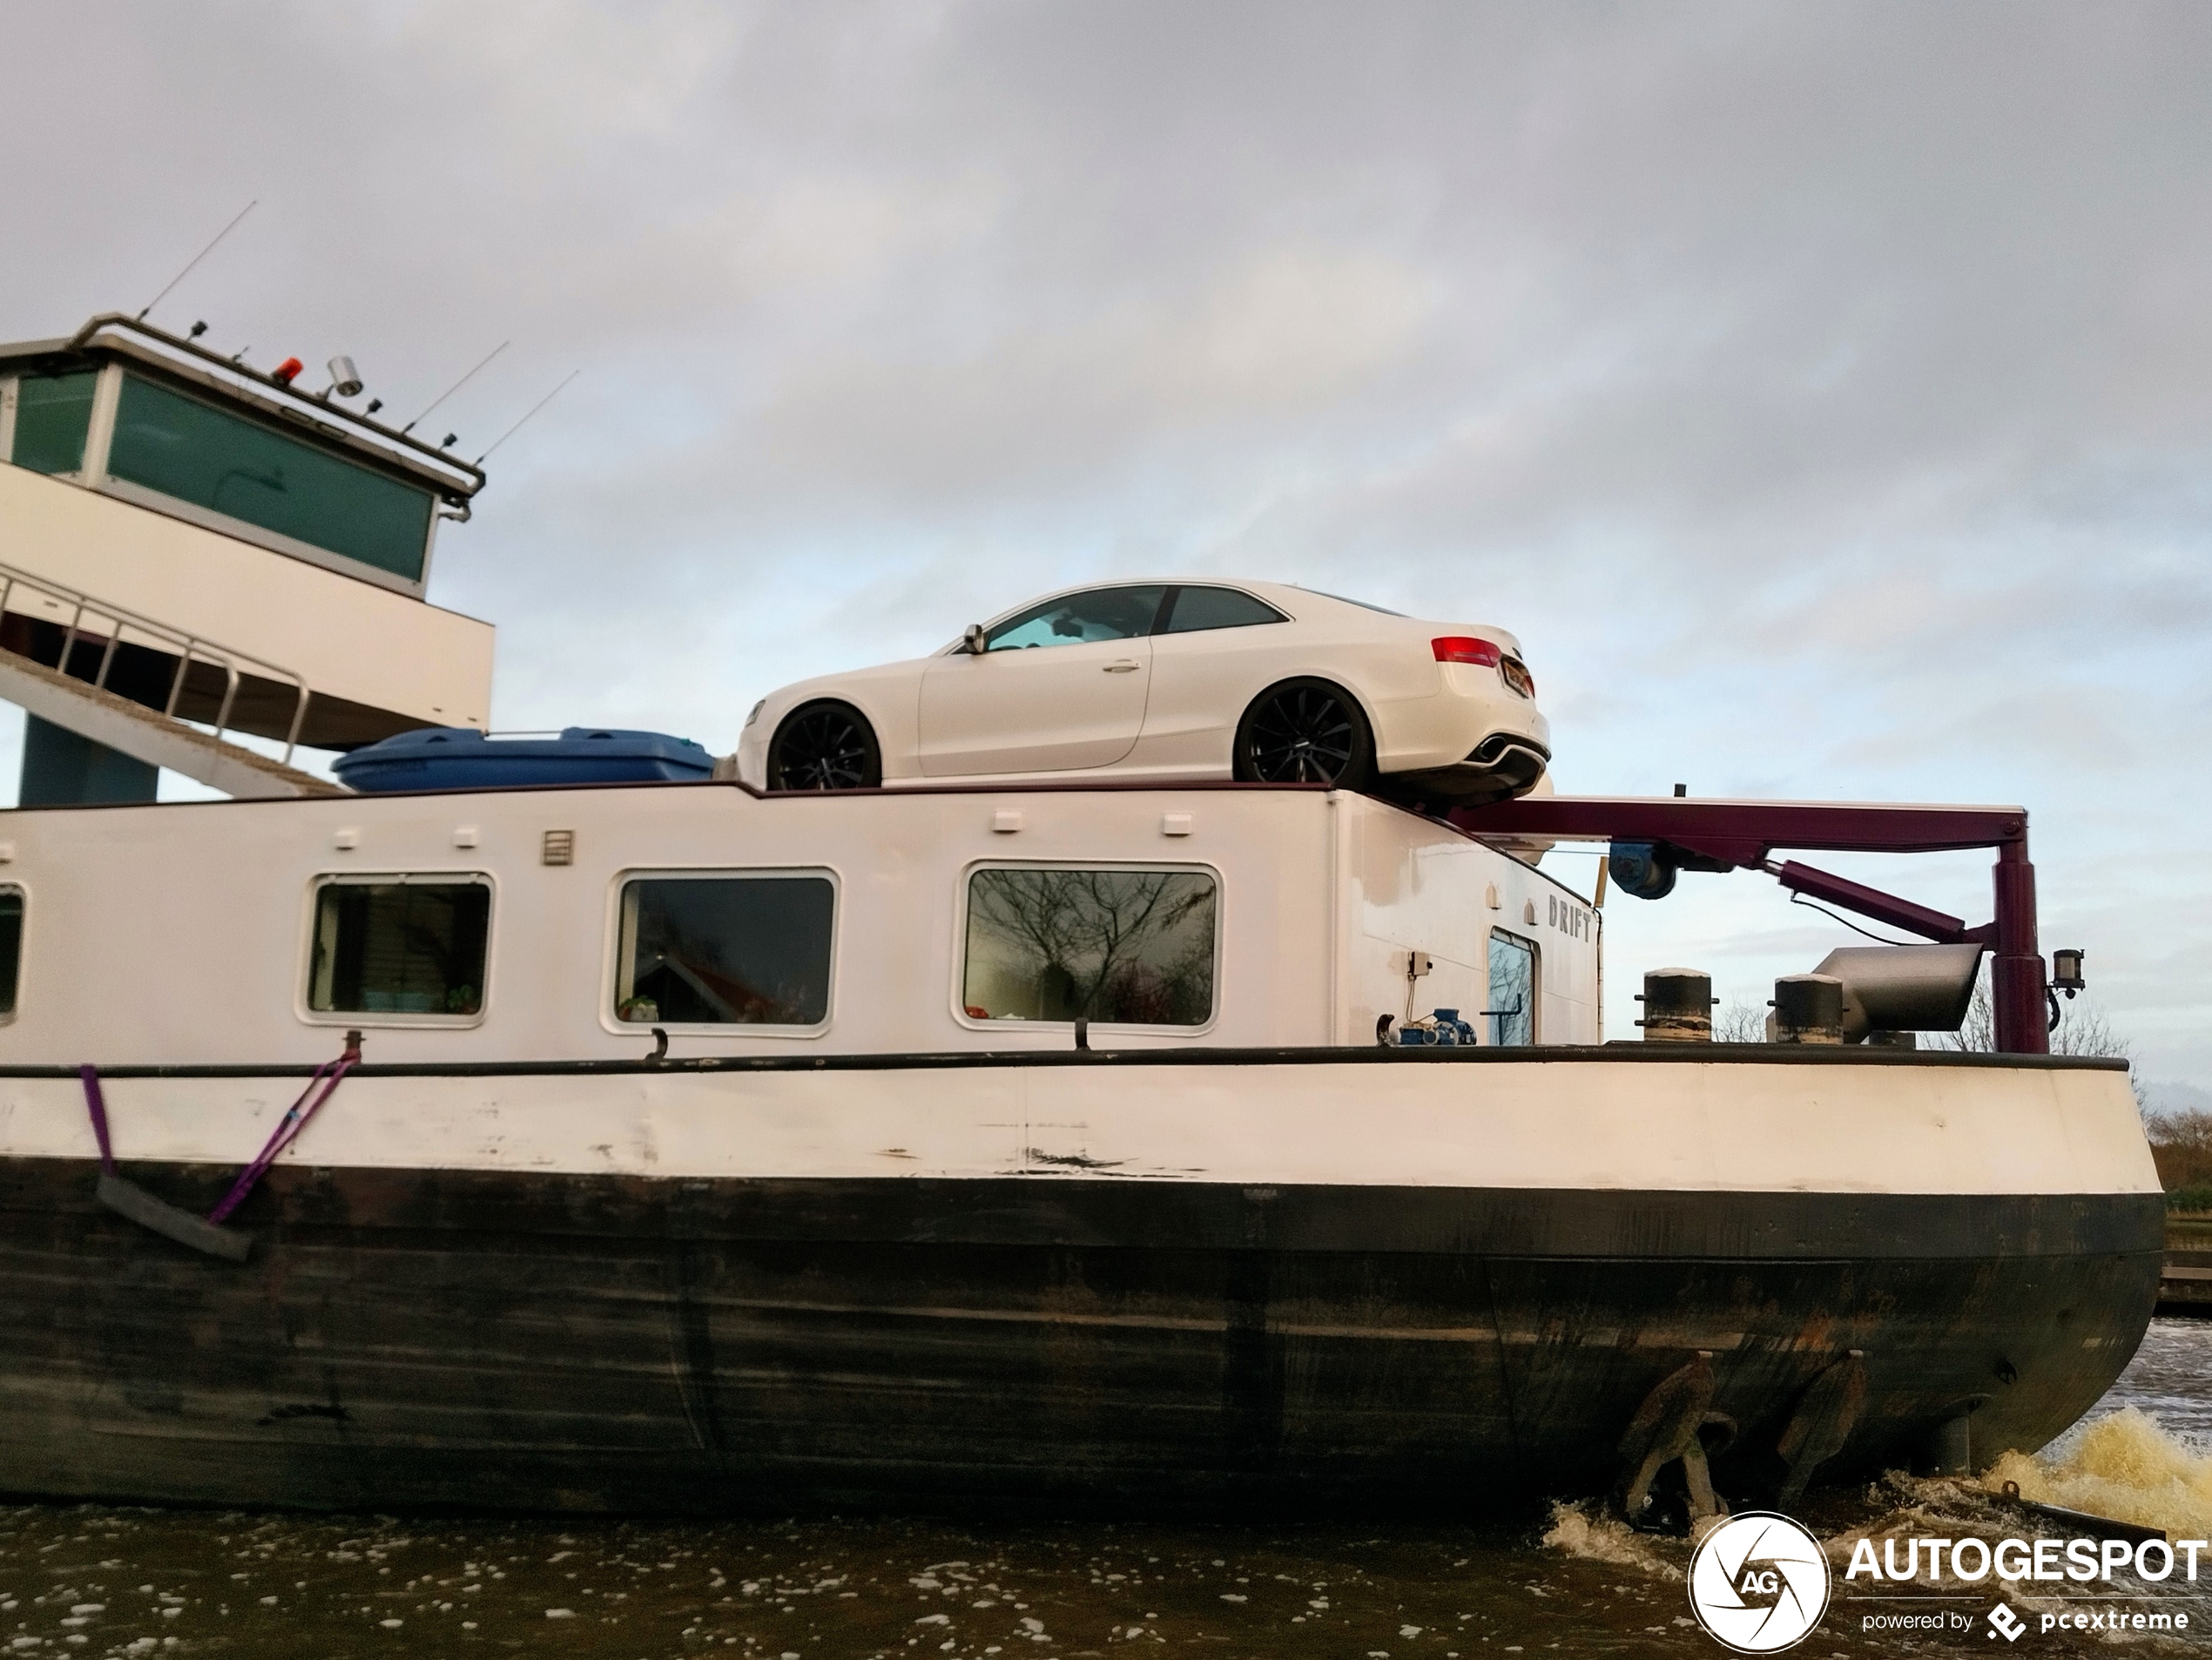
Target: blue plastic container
{"x": 461, "y": 758}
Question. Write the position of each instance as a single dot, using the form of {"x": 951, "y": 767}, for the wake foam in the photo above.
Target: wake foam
{"x": 1584, "y": 1530}
{"x": 2126, "y": 1466}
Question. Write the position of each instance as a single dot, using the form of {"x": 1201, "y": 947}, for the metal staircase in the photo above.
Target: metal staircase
{"x": 73, "y": 690}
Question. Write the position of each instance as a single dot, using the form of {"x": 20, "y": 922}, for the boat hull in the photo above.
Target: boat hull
{"x": 496, "y": 1339}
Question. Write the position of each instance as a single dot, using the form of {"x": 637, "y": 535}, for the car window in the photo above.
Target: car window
{"x": 1198, "y": 608}
{"x": 1078, "y": 619}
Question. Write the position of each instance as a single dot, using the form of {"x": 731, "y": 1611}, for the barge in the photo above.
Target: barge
{"x": 710, "y": 1151}
{"x": 669, "y": 1145}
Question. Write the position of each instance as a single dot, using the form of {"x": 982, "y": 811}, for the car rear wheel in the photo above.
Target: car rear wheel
{"x": 825, "y": 746}
{"x": 1305, "y": 731}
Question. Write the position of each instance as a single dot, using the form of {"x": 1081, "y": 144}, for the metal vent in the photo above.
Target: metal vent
{"x": 559, "y": 849}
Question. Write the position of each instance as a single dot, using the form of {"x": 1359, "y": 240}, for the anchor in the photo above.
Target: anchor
{"x": 1676, "y": 1424}
{"x": 1823, "y": 1422}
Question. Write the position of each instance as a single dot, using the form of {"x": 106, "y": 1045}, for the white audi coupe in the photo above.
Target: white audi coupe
{"x": 1165, "y": 682}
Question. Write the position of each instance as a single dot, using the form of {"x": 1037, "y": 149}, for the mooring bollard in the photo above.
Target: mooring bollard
{"x": 1678, "y": 1007}
{"x": 1808, "y": 1009}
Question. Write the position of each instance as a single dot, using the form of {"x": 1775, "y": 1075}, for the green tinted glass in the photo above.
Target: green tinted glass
{"x": 212, "y": 459}
{"x": 52, "y": 411}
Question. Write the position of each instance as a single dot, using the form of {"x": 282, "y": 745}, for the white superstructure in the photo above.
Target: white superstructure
{"x": 201, "y": 920}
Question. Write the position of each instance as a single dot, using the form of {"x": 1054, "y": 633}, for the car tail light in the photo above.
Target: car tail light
{"x": 1518, "y": 678}
{"x": 1461, "y": 648}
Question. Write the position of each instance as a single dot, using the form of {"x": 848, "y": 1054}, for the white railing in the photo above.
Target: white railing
{"x": 188, "y": 648}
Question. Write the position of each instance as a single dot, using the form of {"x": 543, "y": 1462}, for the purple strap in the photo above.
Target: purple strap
{"x": 320, "y": 1087}
{"x": 97, "y": 1108}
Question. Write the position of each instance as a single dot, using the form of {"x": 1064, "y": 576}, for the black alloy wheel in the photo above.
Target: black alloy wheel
{"x": 1305, "y": 732}
{"x": 825, "y": 746}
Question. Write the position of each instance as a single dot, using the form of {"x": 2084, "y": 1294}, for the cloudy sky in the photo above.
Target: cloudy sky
{"x": 1824, "y": 393}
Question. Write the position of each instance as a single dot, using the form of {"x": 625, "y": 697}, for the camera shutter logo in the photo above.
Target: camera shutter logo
{"x": 1759, "y": 1582}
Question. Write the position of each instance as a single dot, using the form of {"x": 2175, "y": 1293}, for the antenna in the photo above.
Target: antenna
{"x": 198, "y": 257}
{"x": 455, "y": 386}
{"x": 534, "y": 408}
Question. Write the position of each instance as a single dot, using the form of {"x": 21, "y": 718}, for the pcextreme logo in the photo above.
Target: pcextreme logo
{"x": 1758, "y": 1582}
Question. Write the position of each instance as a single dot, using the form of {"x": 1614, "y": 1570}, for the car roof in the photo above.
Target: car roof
{"x": 1286, "y": 595}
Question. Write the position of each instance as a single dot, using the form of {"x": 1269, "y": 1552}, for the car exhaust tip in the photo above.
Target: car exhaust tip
{"x": 1506, "y": 767}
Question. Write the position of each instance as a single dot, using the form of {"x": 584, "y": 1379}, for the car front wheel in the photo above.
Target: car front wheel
{"x": 1305, "y": 731}
{"x": 825, "y": 746}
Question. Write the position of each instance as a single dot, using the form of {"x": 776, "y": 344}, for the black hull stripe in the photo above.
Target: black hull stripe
{"x": 1055, "y": 1212}
{"x": 440, "y": 1338}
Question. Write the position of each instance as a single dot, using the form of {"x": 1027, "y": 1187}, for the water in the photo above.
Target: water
{"x": 101, "y": 1581}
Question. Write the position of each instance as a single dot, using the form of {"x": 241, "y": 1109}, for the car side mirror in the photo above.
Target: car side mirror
{"x": 972, "y": 642}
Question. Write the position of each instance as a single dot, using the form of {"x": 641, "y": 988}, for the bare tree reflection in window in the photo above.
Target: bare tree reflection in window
{"x": 1117, "y": 947}
{"x": 1512, "y": 1010}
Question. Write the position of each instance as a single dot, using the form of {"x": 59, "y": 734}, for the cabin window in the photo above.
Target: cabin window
{"x": 10, "y": 948}
{"x": 400, "y": 945}
{"x": 1131, "y": 947}
{"x": 1511, "y": 1007}
{"x": 737, "y": 950}
{"x": 1203, "y": 608}
{"x": 1081, "y": 619}
{"x": 210, "y": 458}
{"x": 53, "y": 414}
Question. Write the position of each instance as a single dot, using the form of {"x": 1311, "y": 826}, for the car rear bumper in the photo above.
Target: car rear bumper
{"x": 1502, "y": 765}
{"x": 1454, "y": 742}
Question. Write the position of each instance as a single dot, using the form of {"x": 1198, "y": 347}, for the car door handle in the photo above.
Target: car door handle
{"x": 1124, "y": 666}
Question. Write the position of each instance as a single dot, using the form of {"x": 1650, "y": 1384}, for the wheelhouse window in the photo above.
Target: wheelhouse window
{"x": 725, "y": 950}
{"x": 10, "y": 948}
{"x": 403, "y": 946}
{"x": 1196, "y": 608}
{"x": 1081, "y": 619}
{"x": 53, "y": 414}
{"x": 1511, "y": 1007}
{"x": 211, "y": 458}
{"x": 1119, "y": 947}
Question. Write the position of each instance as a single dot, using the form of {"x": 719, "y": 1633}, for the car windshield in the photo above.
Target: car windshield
{"x": 1078, "y": 619}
